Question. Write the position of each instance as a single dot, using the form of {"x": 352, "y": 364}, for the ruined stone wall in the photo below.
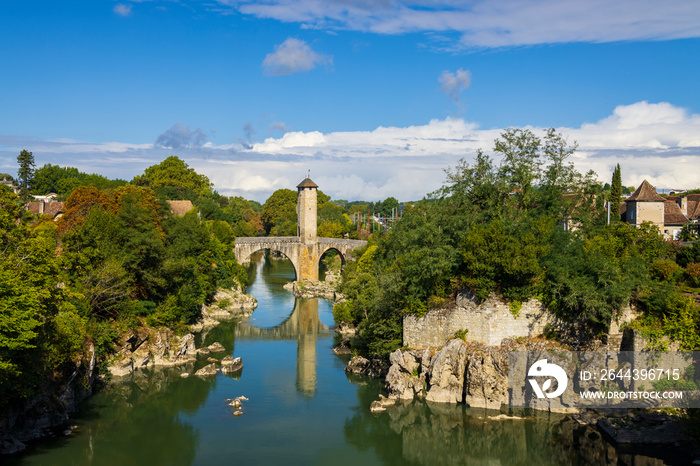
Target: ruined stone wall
{"x": 488, "y": 322}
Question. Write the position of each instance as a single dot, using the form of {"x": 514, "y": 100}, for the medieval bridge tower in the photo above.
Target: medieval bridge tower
{"x": 305, "y": 249}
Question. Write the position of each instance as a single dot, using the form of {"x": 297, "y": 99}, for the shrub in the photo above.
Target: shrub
{"x": 692, "y": 273}
{"x": 666, "y": 270}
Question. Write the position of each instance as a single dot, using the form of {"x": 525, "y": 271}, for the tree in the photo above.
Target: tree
{"x": 615, "y": 193}
{"x": 174, "y": 177}
{"x": 521, "y": 163}
{"x": 25, "y": 174}
{"x": 280, "y": 208}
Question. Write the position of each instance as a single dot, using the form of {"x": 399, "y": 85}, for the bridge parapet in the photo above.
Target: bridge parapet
{"x": 347, "y": 243}
{"x": 266, "y": 239}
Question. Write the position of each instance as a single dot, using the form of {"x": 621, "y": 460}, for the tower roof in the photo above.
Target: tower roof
{"x": 307, "y": 183}
{"x": 645, "y": 193}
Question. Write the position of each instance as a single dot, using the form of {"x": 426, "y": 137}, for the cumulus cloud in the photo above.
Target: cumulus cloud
{"x": 292, "y": 56}
{"x": 180, "y": 136}
{"x": 488, "y": 23}
{"x": 654, "y": 141}
{"x": 122, "y": 9}
{"x": 453, "y": 84}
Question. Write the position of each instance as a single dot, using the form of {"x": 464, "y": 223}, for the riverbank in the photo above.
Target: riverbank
{"x": 476, "y": 375}
{"x": 48, "y": 413}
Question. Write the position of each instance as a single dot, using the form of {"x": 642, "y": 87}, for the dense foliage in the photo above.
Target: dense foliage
{"x": 62, "y": 180}
{"x": 173, "y": 179}
{"x": 116, "y": 260}
{"x": 527, "y": 226}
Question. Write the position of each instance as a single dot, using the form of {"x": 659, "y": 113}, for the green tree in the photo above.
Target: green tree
{"x": 280, "y": 208}
{"x": 615, "y": 194}
{"x": 173, "y": 178}
{"x": 25, "y": 174}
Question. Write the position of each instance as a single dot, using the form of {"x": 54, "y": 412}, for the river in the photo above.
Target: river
{"x": 302, "y": 408}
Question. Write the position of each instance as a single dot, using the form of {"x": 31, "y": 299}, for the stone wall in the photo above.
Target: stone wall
{"x": 488, "y": 322}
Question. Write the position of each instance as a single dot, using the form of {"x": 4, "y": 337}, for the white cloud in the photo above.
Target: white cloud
{"x": 656, "y": 141}
{"x": 122, "y": 9}
{"x": 292, "y": 56}
{"x": 488, "y": 23}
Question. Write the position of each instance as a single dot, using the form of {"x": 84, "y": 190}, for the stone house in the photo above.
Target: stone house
{"x": 10, "y": 184}
{"x": 45, "y": 205}
{"x": 669, "y": 214}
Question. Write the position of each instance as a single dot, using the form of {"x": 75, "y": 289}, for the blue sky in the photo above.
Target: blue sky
{"x": 376, "y": 98}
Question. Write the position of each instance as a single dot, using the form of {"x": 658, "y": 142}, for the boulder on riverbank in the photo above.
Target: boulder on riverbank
{"x": 325, "y": 289}
{"x": 375, "y": 367}
{"x": 150, "y": 348}
{"x": 226, "y": 304}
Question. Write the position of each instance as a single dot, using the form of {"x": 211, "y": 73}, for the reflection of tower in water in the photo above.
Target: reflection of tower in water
{"x": 304, "y": 325}
{"x": 308, "y": 324}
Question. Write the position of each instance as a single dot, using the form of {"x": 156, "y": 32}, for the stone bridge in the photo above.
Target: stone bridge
{"x": 305, "y": 256}
{"x": 305, "y": 249}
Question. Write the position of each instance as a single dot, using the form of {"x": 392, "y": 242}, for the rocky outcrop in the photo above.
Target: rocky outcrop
{"x": 446, "y": 373}
{"x": 381, "y": 404}
{"x": 230, "y": 303}
{"x": 343, "y": 347}
{"x": 460, "y": 372}
{"x": 47, "y": 413}
{"x": 486, "y": 377}
{"x": 346, "y": 329}
{"x": 149, "y": 348}
{"x": 317, "y": 289}
{"x": 375, "y": 367}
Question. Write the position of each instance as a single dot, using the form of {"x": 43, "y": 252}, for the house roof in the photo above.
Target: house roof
{"x": 693, "y": 209}
{"x": 33, "y": 207}
{"x": 645, "y": 193}
{"x": 307, "y": 183}
{"x": 673, "y": 214}
{"x": 53, "y": 208}
{"x": 180, "y": 208}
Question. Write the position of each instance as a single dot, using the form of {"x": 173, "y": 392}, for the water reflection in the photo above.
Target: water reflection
{"x": 434, "y": 433}
{"x": 303, "y": 325}
{"x": 157, "y": 417}
{"x": 140, "y": 415}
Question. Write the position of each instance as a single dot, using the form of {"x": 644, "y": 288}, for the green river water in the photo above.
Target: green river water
{"x": 302, "y": 409}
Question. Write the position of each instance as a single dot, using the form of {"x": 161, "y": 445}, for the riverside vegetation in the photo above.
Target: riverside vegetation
{"x": 119, "y": 260}
{"x": 528, "y": 227}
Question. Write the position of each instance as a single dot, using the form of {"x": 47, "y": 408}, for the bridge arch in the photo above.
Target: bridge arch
{"x": 324, "y": 249}
{"x": 294, "y": 266}
{"x": 305, "y": 257}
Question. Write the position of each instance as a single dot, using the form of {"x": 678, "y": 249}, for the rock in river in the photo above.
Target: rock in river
{"x": 230, "y": 364}
{"x": 207, "y": 370}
